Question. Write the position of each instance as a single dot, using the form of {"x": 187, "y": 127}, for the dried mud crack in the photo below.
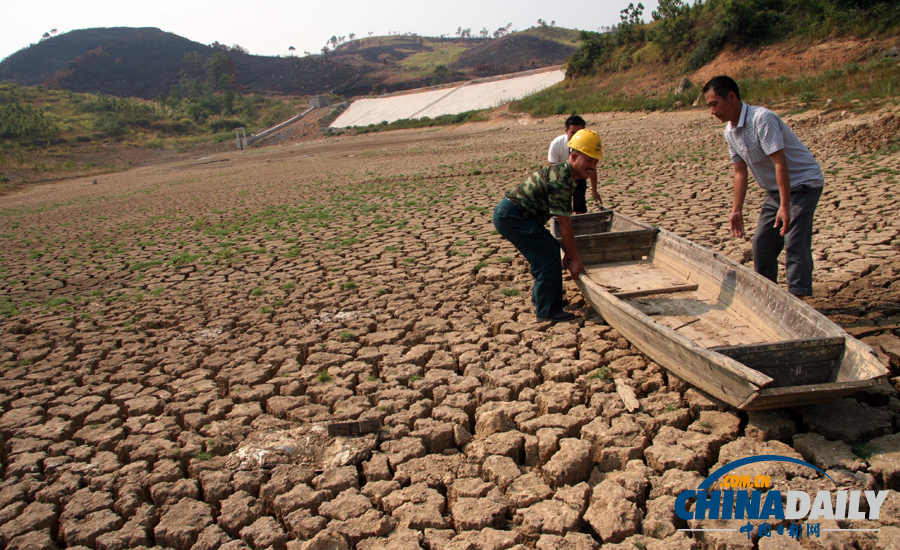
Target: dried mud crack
{"x": 176, "y": 340}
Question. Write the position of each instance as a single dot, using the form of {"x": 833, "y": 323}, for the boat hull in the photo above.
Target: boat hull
{"x": 714, "y": 323}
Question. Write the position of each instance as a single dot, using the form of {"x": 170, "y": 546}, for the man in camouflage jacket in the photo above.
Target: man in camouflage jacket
{"x": 521, "y": 215}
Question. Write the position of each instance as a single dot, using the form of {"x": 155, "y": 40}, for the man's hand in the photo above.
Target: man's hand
{"x": 783, "y": 220}
{"x": 574, "y": 266}
{"x": 571, "y": 259}
{"x": 737, "y": 224}
{"x": 597, "y": 198}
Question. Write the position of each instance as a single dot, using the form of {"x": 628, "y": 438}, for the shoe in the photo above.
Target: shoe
{"x": 565, "y": 303}
{"x": 558, "y": 317}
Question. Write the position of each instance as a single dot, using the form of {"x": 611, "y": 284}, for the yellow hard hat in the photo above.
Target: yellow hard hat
{"x": 587, "y": 142}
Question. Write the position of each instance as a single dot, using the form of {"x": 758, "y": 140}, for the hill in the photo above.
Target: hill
{"x": 147, "y": 62}
{"x": 830, "y": 54}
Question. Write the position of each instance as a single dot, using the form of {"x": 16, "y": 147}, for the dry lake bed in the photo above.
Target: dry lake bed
{"x": 176, "y": 340}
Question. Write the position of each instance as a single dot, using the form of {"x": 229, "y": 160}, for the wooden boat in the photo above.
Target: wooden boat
{"x": 713, "y": 322}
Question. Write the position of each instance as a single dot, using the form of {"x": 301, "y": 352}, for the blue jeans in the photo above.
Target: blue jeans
{"x": 796, "y": 243}
{"x": 541, "y": 250}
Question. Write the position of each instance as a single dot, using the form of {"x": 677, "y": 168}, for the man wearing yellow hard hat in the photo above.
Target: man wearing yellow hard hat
{"x": 521, "y": 215}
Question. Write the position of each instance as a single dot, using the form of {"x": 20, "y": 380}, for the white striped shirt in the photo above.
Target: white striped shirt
{"x": 760, "y": 133}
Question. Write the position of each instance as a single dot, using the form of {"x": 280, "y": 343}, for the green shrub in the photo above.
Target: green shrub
{"x": 22, "y": 122}
{"x": 111, "y": 125}
{"x": 219, "y": 123}
{"x": 180, "y": 126}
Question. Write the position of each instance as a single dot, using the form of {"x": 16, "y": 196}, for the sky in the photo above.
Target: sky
{"x": 270, "y": 28}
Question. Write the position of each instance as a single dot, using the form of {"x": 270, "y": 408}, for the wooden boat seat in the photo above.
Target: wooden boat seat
{"x": 687, "y": 287}
{"x": 791, "y": 362}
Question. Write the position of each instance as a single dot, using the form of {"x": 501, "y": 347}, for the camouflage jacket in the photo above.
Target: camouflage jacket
{"x": 546, "y": 193}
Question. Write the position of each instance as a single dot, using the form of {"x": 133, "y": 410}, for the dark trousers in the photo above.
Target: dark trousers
{"x": 579, "y": 202}
{"x": 796, "y": 243}
{"x": 541, "y": 250}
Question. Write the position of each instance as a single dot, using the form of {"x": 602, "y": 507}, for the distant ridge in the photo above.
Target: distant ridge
{"x": 147, "y": 62}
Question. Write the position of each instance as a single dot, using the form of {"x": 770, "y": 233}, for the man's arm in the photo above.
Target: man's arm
{"x": 594, "y": 192}
{"x": 783, "y": 177}
{"x": 740, "y": 193}
{"x": 571, "y": 259}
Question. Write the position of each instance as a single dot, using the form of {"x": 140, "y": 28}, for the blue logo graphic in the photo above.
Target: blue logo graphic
{"x": 707, "y": 483}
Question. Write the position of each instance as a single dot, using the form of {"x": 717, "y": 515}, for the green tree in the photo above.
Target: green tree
{"x": 220, "y": 71}
{"x": 673, "y": 29}
{"x": 594, "y": 51}
{"x": 630, "y": 29}
{"x": 441, "y": 75}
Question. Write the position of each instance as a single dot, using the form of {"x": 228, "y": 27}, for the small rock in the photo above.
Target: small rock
{"x": 771, "y": 424}
{"x": 570, "y": 465}
{"x": 182, "y": 524}
{"x": 501, "y": 470}
{"x": 491, "y": 422}
{"x": 612, "y": 515}
{"x": 827, "y": 454}
{"x": 478, "y": 513}
{"x": 846, "y": 420}
{"x": 265, "y": 532}
{"x": 552, "y": 517}
{"x": 238, "y": 511}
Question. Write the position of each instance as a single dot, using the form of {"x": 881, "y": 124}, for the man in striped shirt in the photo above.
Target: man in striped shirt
{"x": 757, "y": 138}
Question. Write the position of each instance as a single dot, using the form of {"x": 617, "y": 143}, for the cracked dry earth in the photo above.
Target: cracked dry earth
{"x": 177, "y": 339}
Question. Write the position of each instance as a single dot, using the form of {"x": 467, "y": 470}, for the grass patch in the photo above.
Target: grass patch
{"x": 184, "y": 259}
{"x": 7, "y": 308}
{"x": 57, "y": 301}
{"x": 603, "y": 374}
{"x": 864, "y": 450}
